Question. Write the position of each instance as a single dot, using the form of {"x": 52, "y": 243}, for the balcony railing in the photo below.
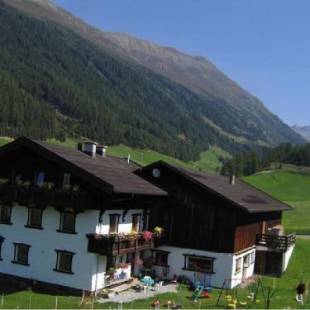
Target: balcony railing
{"x": 115, "y": 244}
{"x": 274, "y": 242}
{"x": 37, "y": 196}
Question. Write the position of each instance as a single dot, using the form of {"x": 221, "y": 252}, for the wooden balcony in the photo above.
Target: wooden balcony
{"x": 35, "y": 196}
{"x": 276, "y": 243}
{"x": 119, "y": 244}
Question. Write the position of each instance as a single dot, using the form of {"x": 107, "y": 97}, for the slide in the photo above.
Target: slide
{"x": 197, "y": 293}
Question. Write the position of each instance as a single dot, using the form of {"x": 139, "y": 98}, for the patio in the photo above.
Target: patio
{"x": 132, "y": 294}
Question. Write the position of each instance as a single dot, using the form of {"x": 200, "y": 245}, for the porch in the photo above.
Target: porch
{"x": 118, "y": 244}
{"x": 273, "y": 253}
{"x": 278, "y": 243}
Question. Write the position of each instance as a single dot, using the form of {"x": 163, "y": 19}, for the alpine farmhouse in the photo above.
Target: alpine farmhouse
{"x": 74, "y": 220}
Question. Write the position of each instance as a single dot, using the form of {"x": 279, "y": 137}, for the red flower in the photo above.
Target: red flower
{"x": 147, "y": 235}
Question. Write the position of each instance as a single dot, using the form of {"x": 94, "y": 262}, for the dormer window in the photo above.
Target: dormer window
{"x": 114, "y": 221}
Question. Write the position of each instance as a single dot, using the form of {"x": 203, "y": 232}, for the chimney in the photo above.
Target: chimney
{"x": 101, "y": 150}
{"x": 232, "y": 179}
{"x": 89, "y": 148}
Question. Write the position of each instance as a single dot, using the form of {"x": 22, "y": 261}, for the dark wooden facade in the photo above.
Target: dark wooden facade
{"x": 200, "y": 219}
{"x": 83, "y": 195}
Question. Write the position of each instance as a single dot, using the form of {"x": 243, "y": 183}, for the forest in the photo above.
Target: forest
{"x": 56, "y": 84}
{"x": 245, "y": 164}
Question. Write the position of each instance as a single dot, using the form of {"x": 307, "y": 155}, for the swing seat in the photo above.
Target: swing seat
{"x": 243, "y": 303}
{"x": 231, "y": 306}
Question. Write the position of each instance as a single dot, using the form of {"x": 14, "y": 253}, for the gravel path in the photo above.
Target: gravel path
{"x": 303, "y": 237}
{"x": 131, "y": 295}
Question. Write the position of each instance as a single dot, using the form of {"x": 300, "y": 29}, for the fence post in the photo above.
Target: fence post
{"x": 56, "y": 302}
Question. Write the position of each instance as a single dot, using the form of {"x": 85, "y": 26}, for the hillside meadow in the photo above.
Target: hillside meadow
{"x": 291, "y": 187}
{"x": 209, "y": 160}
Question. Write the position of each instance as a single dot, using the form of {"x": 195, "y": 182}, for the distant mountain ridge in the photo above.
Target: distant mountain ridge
{"x": 194, "y": 72}
{"x": 303, "y": 131}
{"x": 126, "y": 90}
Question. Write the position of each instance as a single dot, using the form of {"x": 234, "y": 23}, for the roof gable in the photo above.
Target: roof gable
{"x": 241, "y": 195}
{"x": 112, "y": 175}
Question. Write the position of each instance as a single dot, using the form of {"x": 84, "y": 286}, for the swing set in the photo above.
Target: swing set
{"x": 230, "y": 296}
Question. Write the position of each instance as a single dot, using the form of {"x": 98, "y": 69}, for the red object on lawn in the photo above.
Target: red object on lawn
{"x": 205, "y": 295}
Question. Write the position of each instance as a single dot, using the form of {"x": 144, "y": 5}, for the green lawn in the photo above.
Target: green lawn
{"x": 209, "y": 160}
{"x": 4, "y": 140}
{"x": 291, "y": 187}
{"x": 299, "y": 269}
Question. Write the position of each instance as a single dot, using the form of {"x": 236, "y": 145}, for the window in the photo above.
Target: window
{"x": 238, "y": 265}
{"x": 1, "y": 242}
{"x": 199, "y": 263}
{"x": 34, "y": 218}
{"x": 146, "y": 220}
{"x": 136, "y": 220}
{"x": 64, "y": 261}
{"x": 21, "y": 253}
{"x": 5, "y": 214}
{"x": 66, "y": 181}
{"x": 39, "y": 178}
{"x": 246, "y": 260}
{"x": 252, "y": 258}
{"x": 17, "y": 179}
{"x": 161, "y": 259}
{"x": 67, "y": 222}
{"x": 114, "y": 220}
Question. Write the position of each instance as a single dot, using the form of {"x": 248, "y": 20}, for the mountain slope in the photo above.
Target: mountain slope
{"x": 108, "y": 98}
{"x": 303, "y": 131}
{"x": 195, "y": 73}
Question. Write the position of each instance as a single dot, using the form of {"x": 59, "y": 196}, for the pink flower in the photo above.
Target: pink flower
{"x": 147, "y": 235}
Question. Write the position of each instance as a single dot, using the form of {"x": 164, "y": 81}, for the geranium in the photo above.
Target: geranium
{"x": 147, "y": 235}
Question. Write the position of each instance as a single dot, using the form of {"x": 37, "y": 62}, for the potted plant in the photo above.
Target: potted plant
{"x": 111, "y": 272}
{"x": 147, "y": 235}
{"x": 158, "y": 231}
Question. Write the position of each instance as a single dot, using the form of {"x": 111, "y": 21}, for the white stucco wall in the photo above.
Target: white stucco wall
{"x": 245, "y": 272}
{"x": 224, "y": 265}
{"x": 42, "y": 255}
{"x": 88, "y": 268}
{"x": 286, "y": 257}
{"x": 124, "y": 227}
{"x": 98, "y": 277}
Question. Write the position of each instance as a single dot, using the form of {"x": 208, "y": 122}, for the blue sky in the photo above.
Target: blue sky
{"x": 263, "y": 45}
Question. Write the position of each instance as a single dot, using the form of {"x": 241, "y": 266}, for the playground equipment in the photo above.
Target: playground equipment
{"x": 230, "y": 296}
{"x": 197, "y": 292}
{"x": 147, "y": 281}
{"x": 203, "y": 280}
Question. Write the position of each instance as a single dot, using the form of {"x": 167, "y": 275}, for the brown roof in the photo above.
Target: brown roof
{"x": 112, "y": 173}
{"x": 241, "y": 194}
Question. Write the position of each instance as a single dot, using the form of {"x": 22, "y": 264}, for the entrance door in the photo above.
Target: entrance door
{"x": 260, "y": 262}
